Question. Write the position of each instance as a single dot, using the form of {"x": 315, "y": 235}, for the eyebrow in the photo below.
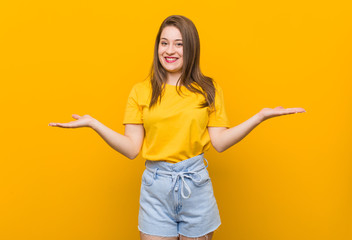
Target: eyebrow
{"x": 175, "y": 39}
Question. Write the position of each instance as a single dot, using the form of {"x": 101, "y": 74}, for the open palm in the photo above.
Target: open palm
{"x": 83, "y": 121}
{"x": 267, "y": 113}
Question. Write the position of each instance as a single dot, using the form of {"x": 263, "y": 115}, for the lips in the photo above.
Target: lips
{"x": 170, "y": 59}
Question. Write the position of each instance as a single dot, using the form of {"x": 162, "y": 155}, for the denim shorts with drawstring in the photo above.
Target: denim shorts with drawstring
{"x": 177, "y": 198}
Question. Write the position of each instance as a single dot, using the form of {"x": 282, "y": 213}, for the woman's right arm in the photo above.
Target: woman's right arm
{"x": 128, "y": 145}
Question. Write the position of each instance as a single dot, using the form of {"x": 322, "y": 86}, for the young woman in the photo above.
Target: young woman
{"x": 173, "y": 116}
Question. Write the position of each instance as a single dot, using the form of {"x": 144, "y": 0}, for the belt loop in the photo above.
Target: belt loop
{"x": 207, "y": 163}
{"x": 155, "y": 170}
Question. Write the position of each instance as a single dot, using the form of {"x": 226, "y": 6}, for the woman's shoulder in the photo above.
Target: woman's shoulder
{"x": 142, "y": 85}
{"x": 141, "y": 91}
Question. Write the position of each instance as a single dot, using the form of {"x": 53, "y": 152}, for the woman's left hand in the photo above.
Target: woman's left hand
{"x": 267, "y": 113}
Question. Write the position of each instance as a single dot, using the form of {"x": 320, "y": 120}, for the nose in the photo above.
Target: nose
{"x": 170, "y": 49}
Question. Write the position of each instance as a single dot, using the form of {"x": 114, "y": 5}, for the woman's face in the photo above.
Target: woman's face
{"x": 171, "y": 49}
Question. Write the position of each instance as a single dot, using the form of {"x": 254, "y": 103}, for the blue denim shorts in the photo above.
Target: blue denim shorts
{"x": 177, "y": 198}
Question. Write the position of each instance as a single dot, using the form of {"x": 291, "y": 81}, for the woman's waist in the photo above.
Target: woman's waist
{"x": 195, "y": 163}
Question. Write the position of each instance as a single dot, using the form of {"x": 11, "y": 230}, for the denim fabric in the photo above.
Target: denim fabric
{"x": 177, "y": 198}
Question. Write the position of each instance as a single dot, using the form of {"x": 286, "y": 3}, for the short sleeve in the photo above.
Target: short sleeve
{"x": 218, "y": 118}
{"x": 133, "y": 111}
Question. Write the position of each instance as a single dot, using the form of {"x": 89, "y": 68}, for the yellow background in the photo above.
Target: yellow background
{"x": 289, "y": 179}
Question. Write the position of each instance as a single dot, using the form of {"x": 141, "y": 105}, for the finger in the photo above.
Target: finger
{"x": 76, "y": 116}
{"x": 55, "y": 124}
{"x": 66, "y": 125}
{"x": 287, "y": 111}
{"x": 301, "y": 110}
{"x": 297, "y": 110}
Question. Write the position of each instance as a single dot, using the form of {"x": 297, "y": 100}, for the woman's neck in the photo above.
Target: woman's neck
{"x": 172, "y": 78}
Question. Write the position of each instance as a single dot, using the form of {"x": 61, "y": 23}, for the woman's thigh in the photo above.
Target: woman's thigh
{"x": 208, "y": 236}
{"x": 151, "y": 237}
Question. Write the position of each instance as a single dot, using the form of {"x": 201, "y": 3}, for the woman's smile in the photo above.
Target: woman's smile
{"x": 170, "y": 59}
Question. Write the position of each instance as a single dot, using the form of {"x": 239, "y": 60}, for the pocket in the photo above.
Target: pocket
{"x": 147, "y": 178}
{"x": 201, "y": 178}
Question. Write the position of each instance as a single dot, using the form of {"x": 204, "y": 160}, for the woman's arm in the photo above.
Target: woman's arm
{"x": 128, "y": 145}
{"x": 222, "y": 138}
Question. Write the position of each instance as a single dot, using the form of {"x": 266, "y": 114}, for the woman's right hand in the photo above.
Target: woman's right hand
{"x": 84, "y": 121}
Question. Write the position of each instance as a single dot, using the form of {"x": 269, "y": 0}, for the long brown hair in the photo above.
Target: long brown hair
{"x": 191, "y": 72}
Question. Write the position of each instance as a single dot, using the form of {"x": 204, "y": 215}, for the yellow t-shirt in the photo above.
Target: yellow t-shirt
{"x": 175, "y": 129}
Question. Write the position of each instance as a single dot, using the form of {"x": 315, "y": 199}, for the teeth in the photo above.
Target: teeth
{"x": 171, "y": 58}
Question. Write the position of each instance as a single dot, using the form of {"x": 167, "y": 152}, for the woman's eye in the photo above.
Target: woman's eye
{"x": 178, "y": 44}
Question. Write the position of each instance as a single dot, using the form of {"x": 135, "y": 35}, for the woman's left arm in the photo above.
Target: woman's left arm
{"x": 223, "y": 138}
